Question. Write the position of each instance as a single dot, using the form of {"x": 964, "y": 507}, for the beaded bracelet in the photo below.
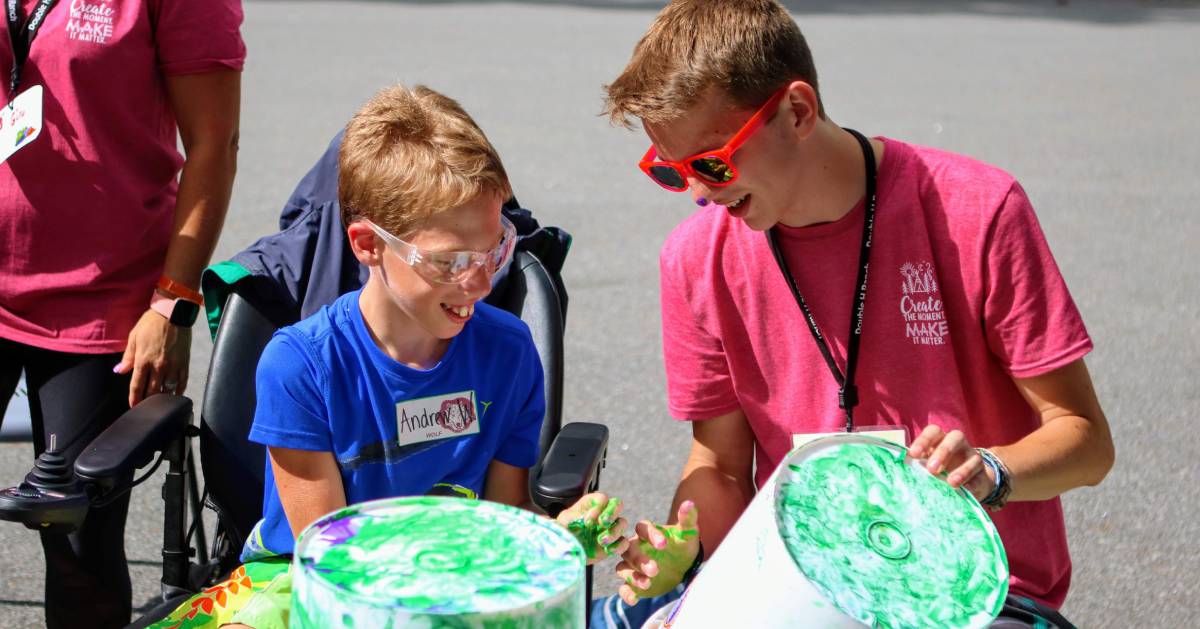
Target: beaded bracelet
{"x": 998, "y": 497}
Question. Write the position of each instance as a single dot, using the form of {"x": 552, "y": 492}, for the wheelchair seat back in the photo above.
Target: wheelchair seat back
{"x": 232, "y": 464}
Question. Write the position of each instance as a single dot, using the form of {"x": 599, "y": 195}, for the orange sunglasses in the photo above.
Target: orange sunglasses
{"x": 714, "y": 167}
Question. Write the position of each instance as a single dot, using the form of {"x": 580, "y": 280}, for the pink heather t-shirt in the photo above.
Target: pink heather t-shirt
{"x": 963, "y": 296}
{"x": 86, "y": 210}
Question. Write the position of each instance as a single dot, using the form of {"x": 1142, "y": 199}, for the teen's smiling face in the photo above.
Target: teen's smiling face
{"x": 762, "y": 190}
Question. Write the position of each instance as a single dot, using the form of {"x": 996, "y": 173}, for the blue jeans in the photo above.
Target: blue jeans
{"x": 614, "y": 613}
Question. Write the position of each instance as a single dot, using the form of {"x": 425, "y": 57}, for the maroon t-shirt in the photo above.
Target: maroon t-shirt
{"x": 963, "y": 296}
{"x": 86, "y": 209}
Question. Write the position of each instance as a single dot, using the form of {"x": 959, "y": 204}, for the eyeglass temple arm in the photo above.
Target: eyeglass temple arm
{"x": 760, "y": 117}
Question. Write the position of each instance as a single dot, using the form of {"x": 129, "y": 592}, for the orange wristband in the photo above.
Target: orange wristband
{"x": 176, "y": 289}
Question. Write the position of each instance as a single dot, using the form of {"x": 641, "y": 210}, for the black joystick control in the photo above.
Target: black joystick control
{"x": 49, "y": 498}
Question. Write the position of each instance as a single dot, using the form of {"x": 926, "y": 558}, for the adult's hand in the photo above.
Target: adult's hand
{"x": 659, "y": 556}
{"x": 157, "y": 354}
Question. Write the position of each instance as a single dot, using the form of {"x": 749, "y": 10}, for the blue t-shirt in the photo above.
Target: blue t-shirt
{"x": 324, "y": 385}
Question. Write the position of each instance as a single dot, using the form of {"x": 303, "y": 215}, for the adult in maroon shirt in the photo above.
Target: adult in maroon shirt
{"x": 101, "y": 217}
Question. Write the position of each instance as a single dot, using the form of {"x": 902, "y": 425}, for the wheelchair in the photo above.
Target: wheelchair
{"x": 57, "y": 495}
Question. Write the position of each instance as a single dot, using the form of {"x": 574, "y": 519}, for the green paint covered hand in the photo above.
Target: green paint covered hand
{"x": 595, "y": 520}
{"x": 659, "y": 556}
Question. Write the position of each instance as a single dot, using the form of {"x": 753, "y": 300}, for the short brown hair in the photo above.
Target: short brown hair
{"x": 408, "y": 154}
{"x": 746, "y": 48}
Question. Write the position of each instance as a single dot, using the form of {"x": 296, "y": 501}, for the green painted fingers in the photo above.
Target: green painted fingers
{"x": 595, "y": 530}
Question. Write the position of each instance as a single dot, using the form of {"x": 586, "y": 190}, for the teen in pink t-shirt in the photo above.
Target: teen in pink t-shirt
{"x": 967, "y": 335}
{"x": 97, "y": 211}
{"x": 963, "y": 295}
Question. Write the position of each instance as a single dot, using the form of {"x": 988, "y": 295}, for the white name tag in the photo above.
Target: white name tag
{"x": 437, "y": 417}
{"x": 897, "y": 436}
{"x": 20, "y": 121}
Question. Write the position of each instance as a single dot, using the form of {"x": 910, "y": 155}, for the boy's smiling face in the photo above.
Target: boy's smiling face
{"x": 443, "y": 309}
{"x": 415, "y": 308}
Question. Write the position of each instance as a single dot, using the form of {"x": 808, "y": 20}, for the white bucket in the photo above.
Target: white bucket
{"x": 434, "y": 562}
{"x": 849, "y": 532}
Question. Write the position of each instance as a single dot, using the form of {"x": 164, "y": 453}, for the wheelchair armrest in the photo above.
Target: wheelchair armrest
{"x": 132, "y": 440}
{"x": 571, "y": 467}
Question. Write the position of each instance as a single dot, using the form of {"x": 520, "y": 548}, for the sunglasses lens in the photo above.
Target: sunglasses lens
{"x": 668, "y": 176}
{"x": 713, "y": 169}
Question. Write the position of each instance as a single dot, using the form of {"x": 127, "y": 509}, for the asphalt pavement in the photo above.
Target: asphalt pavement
{"x": 1092, "y": 105}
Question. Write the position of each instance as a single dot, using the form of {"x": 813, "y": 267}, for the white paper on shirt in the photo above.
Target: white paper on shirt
{"x": 20, "y": 121}
{"x": 436, "y": 417}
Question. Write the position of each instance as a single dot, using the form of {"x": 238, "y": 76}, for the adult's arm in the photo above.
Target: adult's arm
{"x": 206, "y": 110}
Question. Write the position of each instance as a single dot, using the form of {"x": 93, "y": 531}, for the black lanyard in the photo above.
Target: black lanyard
{"x": 847, "y": 392}
{"x": 22, "y": 36}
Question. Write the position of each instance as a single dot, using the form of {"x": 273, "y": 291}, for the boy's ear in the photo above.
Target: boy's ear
{"x": 366, "y": 246}
{"x": 804, "y": 107}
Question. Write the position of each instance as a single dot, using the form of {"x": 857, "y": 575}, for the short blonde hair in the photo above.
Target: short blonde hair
{"x": 410, "y": 153}
{"x": 746, "y": 48}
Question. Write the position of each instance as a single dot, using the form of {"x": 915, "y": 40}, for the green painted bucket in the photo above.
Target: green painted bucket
{"x": 849, "y": 532}
{"x": 436, "y": 563}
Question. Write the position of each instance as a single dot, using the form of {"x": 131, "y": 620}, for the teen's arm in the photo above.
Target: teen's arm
{"x": 309, "y": 484}
{"x": 206, "y": 109}
{"x": 717, "y": 484}
{"x": 718, "y": 475}
{"x": 1072, "y": 448}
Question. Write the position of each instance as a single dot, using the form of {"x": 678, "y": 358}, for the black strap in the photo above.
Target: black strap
{"x": 22, "y": 36}
{"x": 847, "y": 392}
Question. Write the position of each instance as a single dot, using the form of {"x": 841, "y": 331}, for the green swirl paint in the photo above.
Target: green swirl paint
{"x": 889, "y": 544}
{"x": 437, "y": 563}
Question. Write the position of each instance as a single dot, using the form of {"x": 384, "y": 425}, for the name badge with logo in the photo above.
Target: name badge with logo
{"x": 895, "y": 434}
{"x": 437, "y": 417}
{"x": 20, "y": 121}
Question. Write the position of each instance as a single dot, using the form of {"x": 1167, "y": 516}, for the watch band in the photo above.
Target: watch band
{"x": 179, "y": 290}
{"x": 179, "y": 312}
{"x": 162, "y": 304}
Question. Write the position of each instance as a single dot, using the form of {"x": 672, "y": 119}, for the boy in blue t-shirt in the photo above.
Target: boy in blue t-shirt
{"x": 412, "y": 384}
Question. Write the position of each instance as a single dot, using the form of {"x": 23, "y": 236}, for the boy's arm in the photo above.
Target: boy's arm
{"x": 508, "y": 484}
{"x": 309, "y": 484}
